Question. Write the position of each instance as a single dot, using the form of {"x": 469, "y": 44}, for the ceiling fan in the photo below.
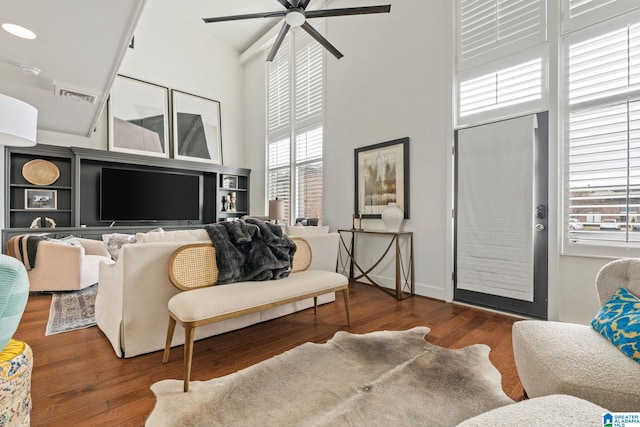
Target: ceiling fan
{"x": 296, "y": 15}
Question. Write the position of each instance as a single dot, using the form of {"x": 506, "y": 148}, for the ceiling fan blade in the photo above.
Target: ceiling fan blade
{"x": 320, "y": 39}
{"x": 285, "y": 3}
{"x": 278, "y": 42}
{"x": 323, "y": 13}
{"x": 303, "y": 4}
{"x": 247, "y": 16}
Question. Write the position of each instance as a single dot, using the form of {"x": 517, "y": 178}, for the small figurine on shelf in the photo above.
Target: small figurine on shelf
{"x": 232, "y": 206}
{"x": 224, "y": 203}
{"x": 227, "y": 203}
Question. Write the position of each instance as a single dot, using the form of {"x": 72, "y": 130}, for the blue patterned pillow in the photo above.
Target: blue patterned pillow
{"x": 619, "y": 321}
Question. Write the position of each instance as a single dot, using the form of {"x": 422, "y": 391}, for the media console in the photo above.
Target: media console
{"x": 71, "y": 204}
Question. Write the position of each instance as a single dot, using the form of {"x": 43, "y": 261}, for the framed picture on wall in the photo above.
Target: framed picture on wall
{"x": 196, "y": 128}
{"x": 382, "y": 177}
{"x": 40, "y": 199}
{"x": 138, "y": 117}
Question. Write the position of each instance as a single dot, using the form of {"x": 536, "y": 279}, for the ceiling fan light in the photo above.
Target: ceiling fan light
{"x": 295, "y": 18}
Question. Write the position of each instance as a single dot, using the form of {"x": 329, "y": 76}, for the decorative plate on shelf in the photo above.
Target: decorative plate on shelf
{"x": 40, "y": 172}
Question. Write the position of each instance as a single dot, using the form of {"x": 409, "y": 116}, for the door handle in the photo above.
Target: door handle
{"x": 540, "y": 227}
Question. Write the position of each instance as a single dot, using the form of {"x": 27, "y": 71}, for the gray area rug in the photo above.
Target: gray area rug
{"x": 72, "y": 310}
{"x": 379, "y": 379}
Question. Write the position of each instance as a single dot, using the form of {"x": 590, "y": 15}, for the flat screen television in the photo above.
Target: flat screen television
{"x": 136, "y": 195}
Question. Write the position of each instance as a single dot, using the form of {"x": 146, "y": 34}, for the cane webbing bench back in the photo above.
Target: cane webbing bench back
{"x": 193, "y": 266}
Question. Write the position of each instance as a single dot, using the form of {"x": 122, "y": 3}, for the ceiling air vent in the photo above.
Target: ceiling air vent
{"x": 66, "y": 92}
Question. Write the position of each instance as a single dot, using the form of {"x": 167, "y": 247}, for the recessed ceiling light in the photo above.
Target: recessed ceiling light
{"x": 19, "y": 31}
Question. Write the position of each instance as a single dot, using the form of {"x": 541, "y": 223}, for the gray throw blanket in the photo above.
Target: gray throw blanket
{"x": 250, "y": 250}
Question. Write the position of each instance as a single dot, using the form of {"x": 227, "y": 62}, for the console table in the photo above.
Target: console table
{"x": 405, "y": 286}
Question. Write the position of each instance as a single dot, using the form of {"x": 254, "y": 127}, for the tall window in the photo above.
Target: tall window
{"x": 602, "y": 134}
{"x": 295, "y": 120}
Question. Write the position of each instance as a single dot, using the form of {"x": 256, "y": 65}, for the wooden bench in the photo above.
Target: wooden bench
{"x": 192, "y": 267}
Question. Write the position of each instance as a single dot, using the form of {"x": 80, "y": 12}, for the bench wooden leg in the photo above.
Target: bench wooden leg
{"x": 345, "y": 294}
{"x": 315, "y": 305}
{"x": 189, "y": 331}
{"x": 167, "y": 346}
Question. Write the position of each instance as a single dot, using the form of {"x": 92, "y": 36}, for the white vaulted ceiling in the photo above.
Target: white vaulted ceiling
{"x": 81, "y": 44}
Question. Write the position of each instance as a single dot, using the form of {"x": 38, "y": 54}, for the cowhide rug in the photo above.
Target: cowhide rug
{"x": 381, "y": 378}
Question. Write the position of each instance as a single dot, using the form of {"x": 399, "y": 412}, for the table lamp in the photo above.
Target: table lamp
{"x": 276, "y": 210}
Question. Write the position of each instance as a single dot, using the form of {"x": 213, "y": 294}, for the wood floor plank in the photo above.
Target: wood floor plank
{"x": 78, "y": 380}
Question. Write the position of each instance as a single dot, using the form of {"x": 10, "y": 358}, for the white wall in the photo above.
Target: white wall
{"x": 254, "y": 131}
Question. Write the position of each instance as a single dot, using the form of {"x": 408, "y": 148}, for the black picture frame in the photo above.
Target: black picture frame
{"x": 138, "y": 117}
{"x": 389, "y": 159}
{"x": 197, "y": 133}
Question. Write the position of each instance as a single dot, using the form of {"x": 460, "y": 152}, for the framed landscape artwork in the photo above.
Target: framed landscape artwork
{"x": 40, "y": 199}
{"x": 138, "y": 117}
{"x": 382, "y": 177}
{"x": 196, "y": 128}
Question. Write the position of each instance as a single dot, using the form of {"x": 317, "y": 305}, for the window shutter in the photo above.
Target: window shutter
{"x": 309, "y": 82}
{"x": 278, "y": 90}
{"x": 605, "y": 66}
{"x": 279, "y": 177}
{"x": 489, "y": 29}
{"x": 505, "y": 87}
{"x": 580, "y": 13}
{"x": 309, "y": 173}
{"x": 309, "y": 190}
{"x": 603, "y": 123}
{"x": 501, "y": 59}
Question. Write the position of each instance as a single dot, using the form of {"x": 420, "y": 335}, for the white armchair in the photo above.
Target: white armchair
{"x": 60, "y": 266}
{"x": 566, "y": 358}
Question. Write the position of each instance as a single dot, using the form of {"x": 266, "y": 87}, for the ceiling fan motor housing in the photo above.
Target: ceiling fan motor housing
{"x": 295, "y": 17}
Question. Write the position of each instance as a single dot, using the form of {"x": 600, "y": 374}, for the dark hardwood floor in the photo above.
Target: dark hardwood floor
{"x": 77, "y": 379}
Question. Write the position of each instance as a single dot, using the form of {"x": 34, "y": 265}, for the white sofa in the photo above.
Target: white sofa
{"x": 131, "y": 305}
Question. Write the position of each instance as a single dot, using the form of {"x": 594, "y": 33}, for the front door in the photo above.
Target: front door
{"x": 500, "y": 234}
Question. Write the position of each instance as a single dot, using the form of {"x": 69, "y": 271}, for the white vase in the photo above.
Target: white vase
{"x": 392, "y": 217}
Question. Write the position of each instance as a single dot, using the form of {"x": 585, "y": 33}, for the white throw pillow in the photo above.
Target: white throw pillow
{"x": 114, "y": 242}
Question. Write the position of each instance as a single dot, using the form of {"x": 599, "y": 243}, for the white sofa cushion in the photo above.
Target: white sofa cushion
{"x": 305, "y": 231}
{"x": 195, "y": 235}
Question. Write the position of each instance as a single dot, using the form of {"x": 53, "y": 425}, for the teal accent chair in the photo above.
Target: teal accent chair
{"x": 14, "y": 291}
